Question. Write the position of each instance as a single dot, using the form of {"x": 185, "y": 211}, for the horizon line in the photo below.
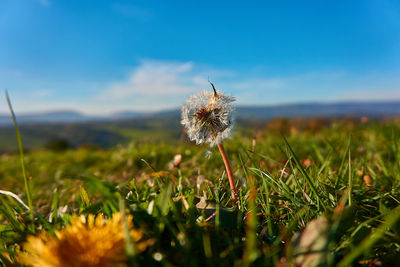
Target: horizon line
{"x": 145, "y": 112}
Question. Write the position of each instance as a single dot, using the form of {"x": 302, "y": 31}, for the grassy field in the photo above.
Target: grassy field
{"x": 104, "y": 134}
{"x": 322, "y": 195}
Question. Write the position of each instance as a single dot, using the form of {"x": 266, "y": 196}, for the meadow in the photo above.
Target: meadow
{"x": 314, "y": 193}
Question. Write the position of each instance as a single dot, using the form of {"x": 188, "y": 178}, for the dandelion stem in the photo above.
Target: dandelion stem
{"x": 228, "y": 171}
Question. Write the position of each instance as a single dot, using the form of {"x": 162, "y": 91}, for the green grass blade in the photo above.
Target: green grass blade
{"x": 54, "y": 207}
{"x": 350, "y": 182}
{"x": 368, "y": 242}
{"x": 21, "y": 155}
{"x": 14, "y": 196}
{"x": 304, "y": 173}
{"x": 251, "y": 252}
{"x": 8, "y": 213}
{"x": 129, "y": 244}
{"x": 342, "y": 164}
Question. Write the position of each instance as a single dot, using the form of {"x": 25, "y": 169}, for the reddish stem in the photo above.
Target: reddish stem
{"x": 228, "y": 171}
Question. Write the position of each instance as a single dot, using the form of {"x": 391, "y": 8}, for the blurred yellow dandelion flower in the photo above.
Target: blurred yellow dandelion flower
{"x": 85, "y": 242}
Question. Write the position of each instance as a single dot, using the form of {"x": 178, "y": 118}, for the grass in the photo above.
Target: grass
{"x": 21, "y": 157}
{"x": 105, "y": 134}
{"x": 288, "y": 185}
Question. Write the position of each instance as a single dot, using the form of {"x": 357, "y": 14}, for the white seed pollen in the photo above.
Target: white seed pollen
{"x": 207, "y": 117}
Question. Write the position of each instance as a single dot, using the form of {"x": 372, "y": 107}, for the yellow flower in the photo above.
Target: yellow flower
{"x": 85, "y": 242}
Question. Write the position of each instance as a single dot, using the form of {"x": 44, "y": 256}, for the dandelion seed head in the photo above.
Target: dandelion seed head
{"x": 207, "y": 117}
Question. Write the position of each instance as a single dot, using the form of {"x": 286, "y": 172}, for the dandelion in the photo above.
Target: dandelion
{"x": 208, "y": 118}
{"x": 85, "y": 242}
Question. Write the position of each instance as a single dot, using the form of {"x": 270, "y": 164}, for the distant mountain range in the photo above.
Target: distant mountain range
{"x": 74, "y": 129}
{"x": 374, "y": 109}
{"x": 357, "y": 109}
{"x": 66, "y": 116}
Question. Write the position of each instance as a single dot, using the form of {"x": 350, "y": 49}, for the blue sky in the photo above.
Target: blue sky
{"x": 104, "y": 56}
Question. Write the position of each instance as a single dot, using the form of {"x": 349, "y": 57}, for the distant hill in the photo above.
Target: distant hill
{"x": 127, "y": 114}
{"x": 357, "y": 109}
{"x": 52, "y": 116}
{"x": 65, "y": 117}
{"x": 375, "y": 109}
{"x": 76, "y": 129}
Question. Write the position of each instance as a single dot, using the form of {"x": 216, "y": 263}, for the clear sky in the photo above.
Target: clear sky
{"x": 104, "y": 56}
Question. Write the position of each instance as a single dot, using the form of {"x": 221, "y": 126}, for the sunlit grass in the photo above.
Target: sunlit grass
{"x": 284, "y": 185}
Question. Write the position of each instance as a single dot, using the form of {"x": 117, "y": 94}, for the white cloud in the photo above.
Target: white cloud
{"x": 156, "y": 85}
{"x": 156, "y": 78}
{"x": 153, "y": 79}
